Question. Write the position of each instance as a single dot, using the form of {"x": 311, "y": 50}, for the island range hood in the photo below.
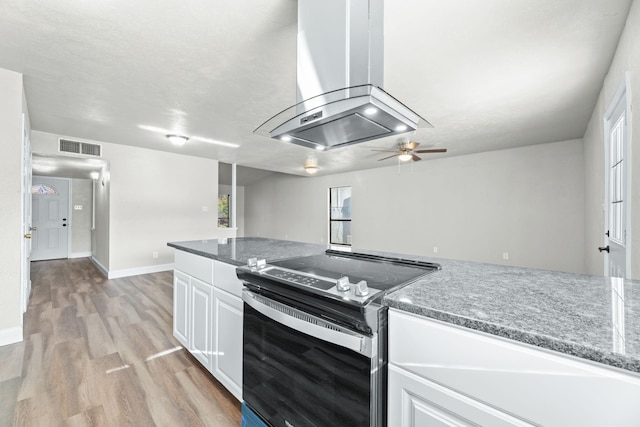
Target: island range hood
{"x": 340, "y": 71}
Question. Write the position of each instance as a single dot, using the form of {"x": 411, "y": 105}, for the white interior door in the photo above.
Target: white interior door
{"x": 617, "y": 206}
{"x": 26, "y": 215}
{"x": 50, "y": 218}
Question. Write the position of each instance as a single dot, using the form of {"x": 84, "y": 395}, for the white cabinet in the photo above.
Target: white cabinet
{"x": 441, "y": 374}
{"x": 207, "y": 316}
{"x": 417, "y": 402}
{"x": 193, "y": 316}
{"x": 201, "y": 317}
{"x": 181, "y": 283}
{"x": 228, "y": 334}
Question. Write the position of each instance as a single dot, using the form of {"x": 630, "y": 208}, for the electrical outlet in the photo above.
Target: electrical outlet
{"x": 505, "y": 255}
{"x": 154, "y": 254}
{"x": 435, "y": 249}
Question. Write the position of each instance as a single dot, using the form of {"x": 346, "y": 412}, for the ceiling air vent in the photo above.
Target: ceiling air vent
{"x": 77, "y": 147}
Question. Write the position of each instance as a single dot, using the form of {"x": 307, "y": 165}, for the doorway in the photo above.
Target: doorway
{"x": 50, "y": 218}
{"x": 617, "y": 186}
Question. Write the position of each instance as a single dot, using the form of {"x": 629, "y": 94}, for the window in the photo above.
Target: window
{"x": 223, "y": 210}
{"x": 616, "y": 181}
{"x": 43, "y": 189}
{"x": 340, "y": 216}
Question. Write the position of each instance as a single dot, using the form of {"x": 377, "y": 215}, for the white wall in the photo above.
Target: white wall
{"x": 11, "y": 233}
{"x": 81, "y": 219}
{"x": 626, "y": 59}
{"x": 526, "y": 201}
{"x": 226, "y": 189}
{"x": 100, "y": 233}
{"x": 153, "y": 197}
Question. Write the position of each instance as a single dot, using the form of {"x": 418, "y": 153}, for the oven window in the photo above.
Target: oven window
{"x": 340, "y": 216}
{"x": 290, "y": 378}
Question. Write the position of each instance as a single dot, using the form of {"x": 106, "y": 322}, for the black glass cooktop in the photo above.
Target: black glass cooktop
{"x": 380, "y": 273}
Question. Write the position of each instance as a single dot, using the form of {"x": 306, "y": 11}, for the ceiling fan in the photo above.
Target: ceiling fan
{"x": 407, "y": 151}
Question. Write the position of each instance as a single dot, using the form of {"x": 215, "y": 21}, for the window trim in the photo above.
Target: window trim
{"x": 335, "y": 220}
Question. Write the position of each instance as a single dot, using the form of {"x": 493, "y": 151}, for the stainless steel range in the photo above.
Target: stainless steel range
{"x": 314, "y": 338}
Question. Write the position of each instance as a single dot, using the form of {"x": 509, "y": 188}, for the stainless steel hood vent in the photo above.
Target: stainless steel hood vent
{"x": 340, "y": 100}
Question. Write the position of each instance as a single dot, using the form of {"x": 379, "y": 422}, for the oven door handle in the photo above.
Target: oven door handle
{"x": 308, "y": 324}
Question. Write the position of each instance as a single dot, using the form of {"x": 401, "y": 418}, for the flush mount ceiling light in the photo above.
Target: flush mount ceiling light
{"x": 311, "y": 166}
{"x": 182, "y": 139}
{"x": 178, "y": 140}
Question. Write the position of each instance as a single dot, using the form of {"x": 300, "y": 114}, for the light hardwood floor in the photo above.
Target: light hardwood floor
{"x": 100, "y": 352}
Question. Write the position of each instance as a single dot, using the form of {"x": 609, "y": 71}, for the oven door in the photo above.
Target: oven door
{"x": 300, "y": 370}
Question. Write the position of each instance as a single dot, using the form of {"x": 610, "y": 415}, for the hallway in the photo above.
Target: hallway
{"x": 100, "y": 352}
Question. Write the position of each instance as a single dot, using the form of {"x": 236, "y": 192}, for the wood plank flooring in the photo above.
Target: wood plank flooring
{"x": 100, "y": 352}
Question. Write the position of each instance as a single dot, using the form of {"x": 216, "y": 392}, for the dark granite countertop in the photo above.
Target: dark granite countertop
{"x": 591, "y": 317}
{"x": 237, "y": 251}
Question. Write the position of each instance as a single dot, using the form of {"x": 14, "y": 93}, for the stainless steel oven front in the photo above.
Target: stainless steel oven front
{"x": 301, "y": 370}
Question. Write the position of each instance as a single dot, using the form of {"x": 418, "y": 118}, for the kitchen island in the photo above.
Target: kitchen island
{"x": 495, "y": 345}
{"x": 591, "y": 317}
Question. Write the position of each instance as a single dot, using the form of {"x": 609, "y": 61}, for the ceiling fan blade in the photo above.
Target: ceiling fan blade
{"x": 415, "y": 158}
{"x": 412, "y": 145}
{"x": 385, "y": 158}
{"x": 385, "y": 151}
{"x": 433, "y": 150}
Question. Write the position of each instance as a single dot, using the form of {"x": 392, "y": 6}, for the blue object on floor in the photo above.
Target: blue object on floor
{"x": 250, "y": 418}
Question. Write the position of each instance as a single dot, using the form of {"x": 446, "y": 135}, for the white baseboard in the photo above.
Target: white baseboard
{"x": 115, "y": 274}
{"x": 10, "y": 335}
{"x": 101, "y": 267}
{"x": 126, "y": 272}
{"x": 80, "y": 254}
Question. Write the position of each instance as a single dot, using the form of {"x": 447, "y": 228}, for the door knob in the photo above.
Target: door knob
{"x": 27, "y": 236}
{"x": 604, "y": 249}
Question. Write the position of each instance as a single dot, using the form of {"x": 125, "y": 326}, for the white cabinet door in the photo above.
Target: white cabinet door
{"x": 228, "y": 341}
{"x": 459, "y": 366}
{"x": 201, "y": 322}
{"x": 417, "y": 402}
{"x": 181, "y": 308}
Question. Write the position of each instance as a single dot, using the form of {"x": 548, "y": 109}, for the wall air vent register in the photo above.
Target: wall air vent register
{"x": 78, "y": 147}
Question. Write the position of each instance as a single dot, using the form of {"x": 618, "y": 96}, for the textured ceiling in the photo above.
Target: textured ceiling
{"x": 488, "y": 74}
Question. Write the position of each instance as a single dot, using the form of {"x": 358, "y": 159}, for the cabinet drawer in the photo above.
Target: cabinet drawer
{"x": 537, "y": 385}
{"x": 194, "y": 265}
{"x": 227, "y": 279}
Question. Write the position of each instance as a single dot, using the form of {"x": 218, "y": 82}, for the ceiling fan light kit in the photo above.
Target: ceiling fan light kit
{"x": 407, "y": 151}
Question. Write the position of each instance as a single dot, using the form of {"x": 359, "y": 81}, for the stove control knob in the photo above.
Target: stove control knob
{"x": 362, "y": 290}
{"x": 343, "y": 284}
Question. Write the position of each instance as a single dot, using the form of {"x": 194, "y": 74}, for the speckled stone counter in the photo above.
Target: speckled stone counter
{"x": 237, "y": 251}
{"x": 591, "y": 317}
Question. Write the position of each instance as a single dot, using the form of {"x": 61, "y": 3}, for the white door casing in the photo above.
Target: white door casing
{"x": 617, "y": 206}
{"x": 50, "y": 219}
{"x": 25, "y": 290}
